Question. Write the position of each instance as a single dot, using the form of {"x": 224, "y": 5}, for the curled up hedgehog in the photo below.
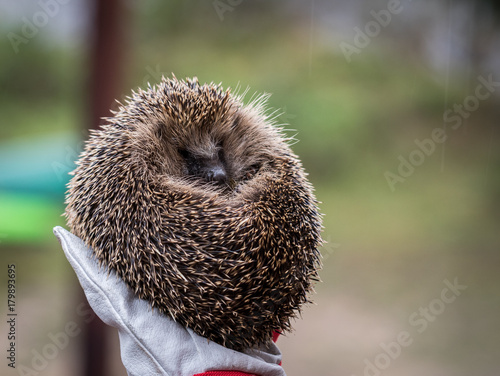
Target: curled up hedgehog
{"x": 198, "y": 203}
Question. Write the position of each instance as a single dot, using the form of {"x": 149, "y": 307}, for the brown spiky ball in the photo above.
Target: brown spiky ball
{"x": 198, "y": 203}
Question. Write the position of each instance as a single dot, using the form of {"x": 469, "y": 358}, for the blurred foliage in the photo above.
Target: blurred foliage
{"x": 41, "y": 89}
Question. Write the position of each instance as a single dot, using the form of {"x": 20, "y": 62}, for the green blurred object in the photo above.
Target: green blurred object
{"x": 38, "y": 165}
{"x": 33, "y": 176}
{"x": 28, "y": 217}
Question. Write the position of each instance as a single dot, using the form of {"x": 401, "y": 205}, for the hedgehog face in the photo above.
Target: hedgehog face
{"x": 215, "y": 163}
{"x": 210, "y": 168}
{"x": 223, "y": 150}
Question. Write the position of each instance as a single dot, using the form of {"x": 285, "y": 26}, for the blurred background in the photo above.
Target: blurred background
{"x": 396, "y": 106}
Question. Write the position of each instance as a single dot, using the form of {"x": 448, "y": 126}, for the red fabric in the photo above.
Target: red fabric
{"x": 275, "y": 336}
{"x": 224, "y": 373}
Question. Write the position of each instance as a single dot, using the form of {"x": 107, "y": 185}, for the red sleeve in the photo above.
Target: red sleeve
{"x": 275, "y": 336}
{"x": 224, "y": 373}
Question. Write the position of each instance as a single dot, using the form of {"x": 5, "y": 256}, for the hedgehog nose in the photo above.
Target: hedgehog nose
{"x": 217, "y": 174}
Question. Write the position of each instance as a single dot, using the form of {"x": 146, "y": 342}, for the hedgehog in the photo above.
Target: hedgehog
{"x": 198, "y": 203}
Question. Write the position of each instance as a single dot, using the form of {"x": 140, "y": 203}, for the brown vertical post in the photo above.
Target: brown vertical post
{"x": 106, "y": 71}
{"x": 107, "y": 57}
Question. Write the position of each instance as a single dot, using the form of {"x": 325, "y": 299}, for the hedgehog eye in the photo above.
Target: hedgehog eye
{"x": 192, "y": 163}
{"x": 251, "y": 171}
{"x": 184, "y": 153}
{"x": 221, "y": 156}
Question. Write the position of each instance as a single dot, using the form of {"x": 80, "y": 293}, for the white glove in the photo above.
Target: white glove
{"x": 152, "y": 343}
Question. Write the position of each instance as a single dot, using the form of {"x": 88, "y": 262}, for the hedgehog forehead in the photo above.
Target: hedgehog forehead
{"x": 197, "y": 119}
{"x": 200, "y": 142}
{"x": 192, "y": 104}
{"x": 196, "y": 134}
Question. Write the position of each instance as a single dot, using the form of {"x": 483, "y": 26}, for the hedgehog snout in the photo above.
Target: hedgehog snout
{"x": 216, "y": 174}
{"x": 211, "y": 169}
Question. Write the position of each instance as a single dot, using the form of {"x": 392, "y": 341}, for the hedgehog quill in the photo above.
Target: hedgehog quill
{"x": 198, "y": 203}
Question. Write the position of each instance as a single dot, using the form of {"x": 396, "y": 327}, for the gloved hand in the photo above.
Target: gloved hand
{"x": 152, "y": 343}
